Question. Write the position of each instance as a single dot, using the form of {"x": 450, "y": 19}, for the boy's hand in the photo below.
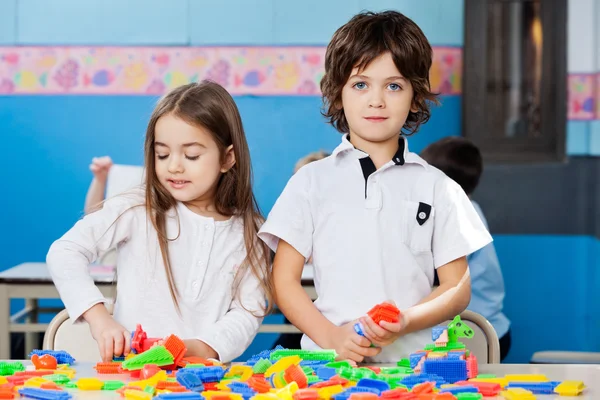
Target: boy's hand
{"x": 349, "y": 345}
{"x": 112, "y": 338}
{"x": 100, "y": 167}
{"x": 383, "y": 334}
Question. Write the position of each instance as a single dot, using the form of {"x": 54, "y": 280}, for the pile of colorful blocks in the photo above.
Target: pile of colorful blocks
{"x": 158, "y": 369}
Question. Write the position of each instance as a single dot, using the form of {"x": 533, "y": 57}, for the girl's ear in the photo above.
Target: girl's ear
{"x": 229, "y": 159}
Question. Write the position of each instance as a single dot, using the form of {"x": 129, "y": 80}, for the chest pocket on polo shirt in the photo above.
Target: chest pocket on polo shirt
{"x": 418, "y": 221}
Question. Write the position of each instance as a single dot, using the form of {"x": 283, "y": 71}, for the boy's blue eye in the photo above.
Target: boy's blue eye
{"x": 395, "y": 87}
{"x": 360, "y": 85}
{"x": 162, "y": 157}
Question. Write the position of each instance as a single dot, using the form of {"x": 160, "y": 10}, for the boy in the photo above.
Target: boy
{"x": 461, "y": 160}
{"x": 376, "y": 219}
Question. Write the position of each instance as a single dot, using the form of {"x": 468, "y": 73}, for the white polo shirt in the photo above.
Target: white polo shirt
{"x": 374, "y": 234}
{"x": 205, "y": 255}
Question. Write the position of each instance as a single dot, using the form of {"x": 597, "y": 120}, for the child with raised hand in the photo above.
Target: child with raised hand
{"x": 189, "y": 260}
{"x": 376, "y": 219}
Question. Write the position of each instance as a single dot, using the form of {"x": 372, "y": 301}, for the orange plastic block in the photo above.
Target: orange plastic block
{"x": 294, "y": 373}
{"x": 384, "y": 312}
{"x": 7, "y": 394}
{"x": 197, "y": 360}
{"x": 306, "y": 394}
{"x": 257, "y": 383}
{"x": 425, "y": 387}
{"x": 44, "y": 362}
{"x": 108, "y": 368}
{"x": 176, "y": 347}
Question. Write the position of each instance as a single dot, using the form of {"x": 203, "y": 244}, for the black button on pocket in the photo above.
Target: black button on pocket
{"x": 423, "y": 213}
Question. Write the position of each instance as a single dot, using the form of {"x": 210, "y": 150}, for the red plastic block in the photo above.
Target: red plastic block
{"x": 384, "y": 312}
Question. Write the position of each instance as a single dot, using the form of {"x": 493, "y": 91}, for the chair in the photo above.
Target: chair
{"x": 565, "y": 357}
{"x": 484, "y": 344}
{"x": 76, "y": 339}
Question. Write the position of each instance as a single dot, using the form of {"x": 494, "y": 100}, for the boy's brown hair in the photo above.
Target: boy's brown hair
{"x": 365, "y": 37}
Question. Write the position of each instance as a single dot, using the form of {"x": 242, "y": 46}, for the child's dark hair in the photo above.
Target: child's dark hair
{"x": 365, "y": 37}
{"x": 210, "y": 106}
{"x": 458, "y": 158}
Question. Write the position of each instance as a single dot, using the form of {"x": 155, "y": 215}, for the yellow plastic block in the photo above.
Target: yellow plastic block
{"x": 569, "y": 388}
{"x": 517, "y": 394}
{"x": 137, "y": 395}
{"x": 278, "y": 380}
{"x": 70, "y": 372}
{"x": 208, "y": 395}
{"x": 3, "y": 380}
{"x": 501, "y": 381}
{"x": 224, "y": 386}
{"x": 35, "y": 382}
{"x": 89, "y": 384}
{"x": 526, "y": 378}
{"x": 282, "y": 365}
{"x": 152, "y": 381}
{"x": 328, "y": 392}
{"x": 244, "y": 370}
{"x": 265, "y": 396}
{"x": 287, "y": 393}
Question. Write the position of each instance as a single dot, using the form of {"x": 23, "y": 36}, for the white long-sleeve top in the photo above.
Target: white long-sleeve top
{"x": 205, "y": 256}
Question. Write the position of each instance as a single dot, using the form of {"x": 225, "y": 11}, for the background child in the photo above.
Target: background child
{"x": 189, "y": 262}
{"x": 461, "y": 160}
{"x": 100, "y": 168}
{"x": 292, "y": 340}
{"x": 376, "y": 219}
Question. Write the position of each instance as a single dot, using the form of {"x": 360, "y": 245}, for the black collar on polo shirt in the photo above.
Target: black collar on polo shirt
{"x": 368, "y": 167}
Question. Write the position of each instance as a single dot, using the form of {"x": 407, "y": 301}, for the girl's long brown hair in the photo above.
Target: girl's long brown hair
{"x": 210, "y": 106}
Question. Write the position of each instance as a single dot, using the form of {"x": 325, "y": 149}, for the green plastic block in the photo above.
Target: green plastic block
{"x": 150, "y": 389}
{"x": 113, "y": 385}
{"x": 308, "y": 371}
{"x": 195, "y": 366}
{"x": 338, "y": 364}
{"x": 313, "y": 379}
{"x": 484, "y": 376}
{"x": 261, "y": 366}
{"x": 10, "y": 367}
{"x": 405, "y": 362}
{"x": 59, "y": 379}
{"x": 469, "y": 396}
{"x": 70, "y": 385}
{"x": 311, "y": 355}
{"x": 158, "y": 355}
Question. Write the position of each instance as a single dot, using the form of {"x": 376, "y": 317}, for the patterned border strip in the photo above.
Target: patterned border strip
{"x": 262, "y": 71}
{"x": 583, "y": 96}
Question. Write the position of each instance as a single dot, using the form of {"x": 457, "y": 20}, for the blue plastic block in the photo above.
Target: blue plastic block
{"x": 451, "y": 370}
{"x": 359, "y": 329}
{"x": 415, "y": 358}
{"x": 326, "y": 372}
{"x": 314, "y": 364}
{"x": 44, "y": 394}
{"x": 62, "y": 357}
{"x": 412, "y": 380}
{"x": 437, "y": 331}
{"x": 460, "y": 389}
{"x": 381, "y": 386}
{"x": 180, "y": 396}
{"x": 345, "y": 395}
{"x": 189, "y": 380}
{"x": 535, "y": 387}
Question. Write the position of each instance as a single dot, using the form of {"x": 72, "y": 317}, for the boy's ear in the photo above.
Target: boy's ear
{"x": 229, "y": 159}
{"x": 414, "y": 107}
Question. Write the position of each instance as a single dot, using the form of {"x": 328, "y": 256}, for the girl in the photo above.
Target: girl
{"x": 189, "y": 262}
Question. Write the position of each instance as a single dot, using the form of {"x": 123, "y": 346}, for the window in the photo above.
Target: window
{"x": 515, "y": 78}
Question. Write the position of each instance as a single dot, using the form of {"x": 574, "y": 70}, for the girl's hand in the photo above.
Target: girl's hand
{"x": 112, "y": 338}
{"x": 100, "y": 167}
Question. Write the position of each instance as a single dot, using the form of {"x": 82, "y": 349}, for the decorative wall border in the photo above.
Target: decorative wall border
{"x": 261, "y": 71}
{"x": 583, "y": 96}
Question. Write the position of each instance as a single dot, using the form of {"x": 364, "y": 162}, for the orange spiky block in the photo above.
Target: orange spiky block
{"x": 176, "y": 347}
{"x": 385, "y": 312}
{"x": 108, "y": 368}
